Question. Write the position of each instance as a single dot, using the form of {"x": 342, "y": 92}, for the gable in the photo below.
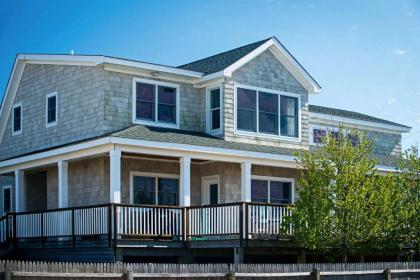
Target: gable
{"x": 266, "y": 71}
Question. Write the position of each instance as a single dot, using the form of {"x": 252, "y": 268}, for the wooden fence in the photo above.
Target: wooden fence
{"x": 44, "y": 270}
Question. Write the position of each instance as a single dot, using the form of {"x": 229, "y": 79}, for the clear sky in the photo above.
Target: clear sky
{"x": 364, "y": 53}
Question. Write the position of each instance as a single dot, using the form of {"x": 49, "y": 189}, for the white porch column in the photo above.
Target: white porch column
{"x": 115, "y": 176}
{"x": 63, "y": 190}
{"x": 246, "y": 181}
{"x": 20, "y": 192}
{"x": 184, "y": 181}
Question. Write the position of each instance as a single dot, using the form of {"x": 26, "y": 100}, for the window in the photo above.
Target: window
{"x": 51, "y": 109}
{"x": 7, "y": 199}
{"x": 17, "y": 119}
{"x": 155, "y": 103}
{"x": 154, "y": 189}
{"x": 267, "y": 112}
{"x": 214, "y": 114}
{"x": 319, "y": 133}
{"x": 271, "y": 190}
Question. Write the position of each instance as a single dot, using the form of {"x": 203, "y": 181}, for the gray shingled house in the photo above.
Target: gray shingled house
{"x": 104, "y": 159}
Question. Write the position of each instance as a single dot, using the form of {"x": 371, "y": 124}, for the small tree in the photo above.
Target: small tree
{"x": 409, "y": 212}
{"x": 339, "y": 196}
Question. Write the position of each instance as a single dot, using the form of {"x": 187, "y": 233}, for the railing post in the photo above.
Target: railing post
{"x": 241, "y": 223}
{"x": 73, "y": 236}
{"x": 6, "y": 230}
{"x": 115, "y": 230}
{"x": 185, "y": 220}
{"x": 42, "y": 230}
{"x": 246, "y": 220}
{"x": 14, "y": 236}
{"x": 110, "y": 225}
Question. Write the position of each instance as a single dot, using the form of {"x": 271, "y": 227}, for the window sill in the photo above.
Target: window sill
{"x": 268, "y": 136}
{"x": 156, "y": 124}
{"x": 50, "y": 124}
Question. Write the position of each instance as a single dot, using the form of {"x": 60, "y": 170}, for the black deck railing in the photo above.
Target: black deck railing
{"x": 131, "y": 222}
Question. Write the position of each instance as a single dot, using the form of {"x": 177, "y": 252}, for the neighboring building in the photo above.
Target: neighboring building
{"x": 197, "y": 160}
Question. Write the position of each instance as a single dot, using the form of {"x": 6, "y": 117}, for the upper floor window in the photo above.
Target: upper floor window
{"x": 17, "y": 119}
{"x": 319, "y": 133}
{"x": 271, "y": 190}
{"x": 155, "y": 103}
{"x": 51, "y": 109}
{"x": 214, "y": 110}
{"x": 267, "y": 112}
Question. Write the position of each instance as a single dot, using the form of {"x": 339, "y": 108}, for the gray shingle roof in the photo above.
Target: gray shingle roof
{"x": 350, "y": 114}
{"x": 218, "y": 62}
{"x": 141, "y": 132}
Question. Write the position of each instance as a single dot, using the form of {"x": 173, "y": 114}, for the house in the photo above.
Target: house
{"x": 104, "y": 159}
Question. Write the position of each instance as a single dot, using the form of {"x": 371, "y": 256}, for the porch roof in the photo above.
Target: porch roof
{"x": 149, "y": 133}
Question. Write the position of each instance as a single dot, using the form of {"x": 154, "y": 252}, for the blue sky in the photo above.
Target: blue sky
{"x": 364, "y": 53}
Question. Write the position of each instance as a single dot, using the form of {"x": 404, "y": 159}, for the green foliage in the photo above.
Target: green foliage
{"x": 408, "y": 228}
{"x": 343, "y": 203}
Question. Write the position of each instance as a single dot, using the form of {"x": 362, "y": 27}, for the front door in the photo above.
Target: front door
{"x": 210, "y": 190}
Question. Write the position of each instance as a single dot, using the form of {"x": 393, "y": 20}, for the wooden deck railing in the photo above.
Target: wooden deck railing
{"x": 123, "y": 221}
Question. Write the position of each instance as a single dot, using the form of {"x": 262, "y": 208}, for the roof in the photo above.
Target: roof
{"x": 350, "y": 115}
{"x": 167, "y": 135}
{"x": 219, "y": 62}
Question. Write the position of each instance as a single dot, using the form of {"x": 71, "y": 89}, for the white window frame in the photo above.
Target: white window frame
{"x": 154, "y": 175}
{"x": 208, "y": 111}
{"x": 48, "y": 96}
{"x": 277, "y": 179}
{"x": 21, "y": 119}
{"x": 11, "y": 200}
{"x": 205, "y": 198}
{"x": 266, "y": 135}
{"x": 156, "y": 122}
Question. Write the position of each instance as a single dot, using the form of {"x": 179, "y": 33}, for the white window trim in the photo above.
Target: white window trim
{"x": 278, "y": 179}
{"x": 205, "y": 199}
{"x": 208, "y": 113}
{"x": 265, "y": 135}
{"x": 13, "y": 119}
{"x": 156, "y": 122}
{"x": 154, "y": 175}
{"x": 53, "y": 94}
{"x": 11, "y": 200}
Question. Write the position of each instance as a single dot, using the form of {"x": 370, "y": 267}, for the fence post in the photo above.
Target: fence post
{"x": 387, "y": 273}
{"x": 231, "y": 275}
{"x": 315, "y": 274}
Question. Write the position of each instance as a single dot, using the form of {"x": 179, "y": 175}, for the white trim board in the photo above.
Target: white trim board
{"x": 317, "y": 118}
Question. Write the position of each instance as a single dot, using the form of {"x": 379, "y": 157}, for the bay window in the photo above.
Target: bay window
{"x": 271, "y": 190}
{"x": 267, "y": 112}
{"x": 155, "y": 103}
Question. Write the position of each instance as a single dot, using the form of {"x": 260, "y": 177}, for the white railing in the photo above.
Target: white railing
{"x": 150, "y": 221}
{"x": 28, "y": 225}
{"x": 267, "y": 219}
{"x": 57, "y": 223}
{"x": 215, "y": 220}
{"x": 91, "y": 221}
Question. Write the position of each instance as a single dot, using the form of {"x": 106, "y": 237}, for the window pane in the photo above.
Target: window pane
{"x": 259, "y": 190}
{"x": 145, "y": 105}
{"x": 268, "y": 102}
{"x": 353, "y": 139}
{"x": 51, "y": 105}
{"x": 167, "y": 95}
{"x": 144, "y": 190}
{"x": 280, "y": 192}
{"x": 215, "y": 119}
{"x": 214, "y": 194}
{"x": 268, "y": 123}
{"x": 318, "y": 134}
{"x": 246, "y": 99}
{"x": 17, "y": 115}
{"x": 247, "y": 120}
{"x": 167, "y": 191}
{"x": 215, "y": 98}
{"x": 166, "y": 104}
{"x": 289, "y": 116}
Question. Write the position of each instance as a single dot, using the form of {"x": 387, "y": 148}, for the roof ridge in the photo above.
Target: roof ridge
{"x": 224, "y": 52}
